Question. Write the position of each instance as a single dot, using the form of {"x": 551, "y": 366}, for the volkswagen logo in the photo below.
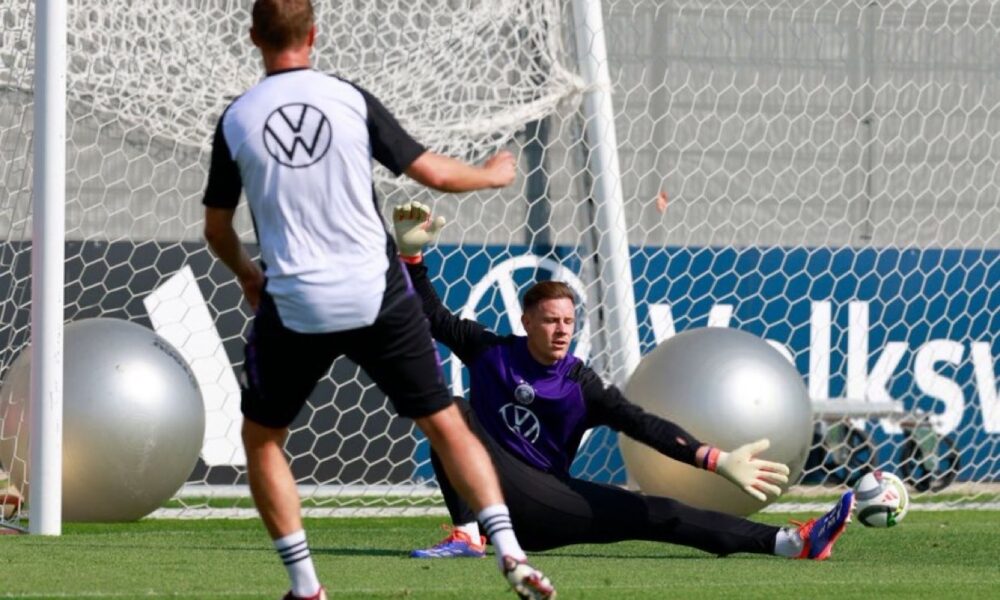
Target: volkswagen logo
{"x": 521, "y": 421}
{"x": 297, "y": 135}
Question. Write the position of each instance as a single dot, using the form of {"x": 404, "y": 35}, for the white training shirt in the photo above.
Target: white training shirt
{"x": 300, "y": 144}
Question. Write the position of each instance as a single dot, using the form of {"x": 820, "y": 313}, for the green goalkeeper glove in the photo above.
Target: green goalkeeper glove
{"x": 414, "y": 228}
{"x": 755, "y": 476}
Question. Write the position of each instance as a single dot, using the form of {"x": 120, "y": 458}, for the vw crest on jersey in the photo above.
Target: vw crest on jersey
{"x": 524, "y": 393}
{"x": 297, "y": 135}
{"x": 521, "y": 421}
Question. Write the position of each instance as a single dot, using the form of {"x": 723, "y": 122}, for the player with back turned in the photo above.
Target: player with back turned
{"x": 300, "y": 145}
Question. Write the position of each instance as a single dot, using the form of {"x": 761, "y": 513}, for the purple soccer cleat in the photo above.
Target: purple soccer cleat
{"x": 458, "y": 544}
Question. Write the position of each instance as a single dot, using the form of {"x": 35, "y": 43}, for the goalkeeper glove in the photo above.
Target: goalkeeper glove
{"x": 755, "y": 476}
{"x": 414, "y": 228}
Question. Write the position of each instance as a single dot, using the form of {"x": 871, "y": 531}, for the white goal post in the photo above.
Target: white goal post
{"x": 832, "y": 170}
{"x": 47, "y": 259}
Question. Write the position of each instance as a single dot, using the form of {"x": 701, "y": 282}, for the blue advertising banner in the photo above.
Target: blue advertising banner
{"x": 912, "y": 330}
{"x": 917, "y": 330}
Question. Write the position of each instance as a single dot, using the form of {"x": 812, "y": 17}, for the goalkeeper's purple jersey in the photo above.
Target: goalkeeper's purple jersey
{"x": 538, "y": 412}
{"x": 535, "y": 411}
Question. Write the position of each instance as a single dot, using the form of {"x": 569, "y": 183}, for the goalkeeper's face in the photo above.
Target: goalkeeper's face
{"x": 549, "y": 326}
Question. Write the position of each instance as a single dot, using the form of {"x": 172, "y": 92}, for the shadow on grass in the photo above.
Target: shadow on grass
{"x": 359, "y": 552}
{"x": 665, "y": 557}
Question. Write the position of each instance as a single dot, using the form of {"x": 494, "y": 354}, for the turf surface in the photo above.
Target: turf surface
{"x": 931, "y": 554}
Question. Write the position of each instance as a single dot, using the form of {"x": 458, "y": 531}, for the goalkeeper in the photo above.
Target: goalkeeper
{"x": 530, "y": 402}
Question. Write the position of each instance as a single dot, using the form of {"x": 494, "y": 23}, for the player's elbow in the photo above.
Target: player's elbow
{"x": 434, "y": 171}
{"x": 218, "y": 225}
{"x": 437, "y": 180}
{"x": 216, "y": 234}
{"x": 211, "y": 232}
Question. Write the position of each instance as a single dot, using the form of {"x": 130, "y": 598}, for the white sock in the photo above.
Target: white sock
{"x": 788, "y": 542}
{"x": 471, "y": 530}
{"x": 294, "y": 552}
{"x": 496, "y": 521}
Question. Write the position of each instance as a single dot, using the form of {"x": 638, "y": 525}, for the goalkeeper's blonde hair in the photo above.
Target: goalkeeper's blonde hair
{"x": 546, "y": 290}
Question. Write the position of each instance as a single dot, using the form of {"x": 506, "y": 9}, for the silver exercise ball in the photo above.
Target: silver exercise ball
{"x": 133, "y": 421}
{"x": 727, "y": 388}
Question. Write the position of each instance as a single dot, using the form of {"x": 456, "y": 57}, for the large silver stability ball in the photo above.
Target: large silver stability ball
{"x": 727, "y": 388}
{"x": 133, "y": 421}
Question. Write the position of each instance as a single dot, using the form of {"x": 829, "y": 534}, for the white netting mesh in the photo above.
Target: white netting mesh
{"x": 464, "y": 75}
{"x": 832, "y": 170}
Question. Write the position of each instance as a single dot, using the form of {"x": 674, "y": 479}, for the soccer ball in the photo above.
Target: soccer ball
{"x": 882, "y": 500}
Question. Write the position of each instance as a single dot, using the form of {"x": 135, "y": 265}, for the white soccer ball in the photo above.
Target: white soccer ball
{"x": 882, "y": 499}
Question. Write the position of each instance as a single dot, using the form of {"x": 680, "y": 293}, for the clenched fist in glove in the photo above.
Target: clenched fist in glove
{"x": 755, "y": 476}
{"x": 414, "y": 228}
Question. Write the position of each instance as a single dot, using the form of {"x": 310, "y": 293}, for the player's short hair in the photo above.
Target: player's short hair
{"x": 281, "y": 24}
{"x": 546, "y": 290}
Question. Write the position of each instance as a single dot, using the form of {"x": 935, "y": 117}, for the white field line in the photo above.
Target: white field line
{"x": 388, "y": 511}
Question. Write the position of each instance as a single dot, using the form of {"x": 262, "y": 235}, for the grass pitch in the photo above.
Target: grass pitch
{"x": 931, "y": 555}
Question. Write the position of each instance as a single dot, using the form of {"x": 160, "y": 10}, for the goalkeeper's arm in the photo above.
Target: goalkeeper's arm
{"x": 755, "y": 476}
{"x": 414, "y": 228}
{"x": 607, "y": 406}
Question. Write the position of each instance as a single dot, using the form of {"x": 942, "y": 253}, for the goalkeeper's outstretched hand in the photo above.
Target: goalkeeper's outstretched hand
{"x": 414, "y": 227}
{"x": 757, "y": 477}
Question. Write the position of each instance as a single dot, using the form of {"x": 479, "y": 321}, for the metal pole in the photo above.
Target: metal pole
{"x": 616, "y": 274}
{"x": 47, "y": 260}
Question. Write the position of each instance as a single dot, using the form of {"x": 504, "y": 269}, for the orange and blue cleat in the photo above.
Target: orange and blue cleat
{"x": 819, "y": 535}
{"x": 458, "y": 544}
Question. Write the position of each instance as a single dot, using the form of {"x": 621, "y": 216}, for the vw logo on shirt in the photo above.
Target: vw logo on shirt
{"x": 297, "y": 135}
{"x": 521, "y": 421}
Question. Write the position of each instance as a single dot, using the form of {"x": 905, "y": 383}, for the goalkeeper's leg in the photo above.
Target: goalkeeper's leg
{"x": 550, "y": 512}
{"x": 464, "y": 539}
{"x": 470, "y": 470}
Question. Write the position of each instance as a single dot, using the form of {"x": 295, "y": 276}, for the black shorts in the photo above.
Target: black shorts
{"x": 282, "y": 366}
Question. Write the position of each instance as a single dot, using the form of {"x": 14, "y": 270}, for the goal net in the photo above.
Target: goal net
{"x": 831, "y": 172}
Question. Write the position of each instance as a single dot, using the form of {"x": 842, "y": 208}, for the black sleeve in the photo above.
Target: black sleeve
{"x": 607, "y": 406}
{"x": 224, "y": 181}
{"x": 464, "y": 337}
{"x": 391, "y": 144}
